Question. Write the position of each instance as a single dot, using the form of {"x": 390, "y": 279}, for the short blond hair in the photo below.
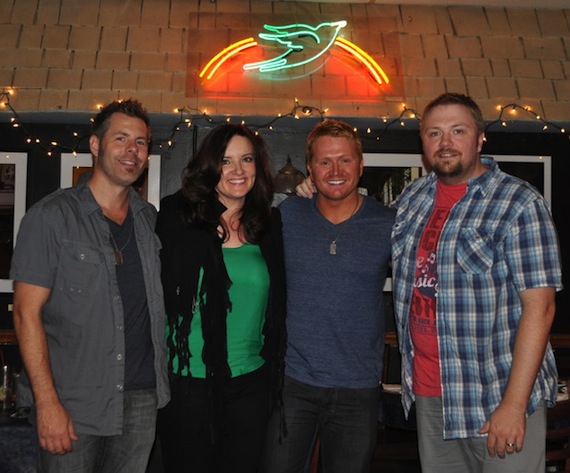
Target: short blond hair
{"x": 334, "y": 128}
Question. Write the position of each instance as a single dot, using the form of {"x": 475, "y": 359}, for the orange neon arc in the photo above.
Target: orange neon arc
{"x": 225, "y": 54}
{"x": 375, "y": 70}
{"x": 359, "y": 54}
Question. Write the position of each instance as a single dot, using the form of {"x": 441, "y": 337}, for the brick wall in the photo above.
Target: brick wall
{"x": 74, "y": 54}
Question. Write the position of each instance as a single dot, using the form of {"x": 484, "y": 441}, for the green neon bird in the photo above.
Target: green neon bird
{"x": 288, "y": 36}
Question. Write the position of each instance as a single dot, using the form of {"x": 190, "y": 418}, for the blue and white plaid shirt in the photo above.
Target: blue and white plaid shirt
{"x": 499, "y": 240}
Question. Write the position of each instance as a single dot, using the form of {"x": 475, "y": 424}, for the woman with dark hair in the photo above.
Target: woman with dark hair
{"x": 224, "y": 283}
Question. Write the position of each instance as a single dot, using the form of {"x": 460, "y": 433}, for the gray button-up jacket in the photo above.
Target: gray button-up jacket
{"x": 64, "y": 244}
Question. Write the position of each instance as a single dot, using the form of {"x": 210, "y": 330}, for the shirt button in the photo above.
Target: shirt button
{"x": 119, "y": 357}
{"x": 82, "y": 256}
{"x": 119, "y": 387}
{"x": 119, "y": 327}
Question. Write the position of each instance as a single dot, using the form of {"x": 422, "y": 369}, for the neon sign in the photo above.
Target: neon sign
{"x": 293, "y": 38}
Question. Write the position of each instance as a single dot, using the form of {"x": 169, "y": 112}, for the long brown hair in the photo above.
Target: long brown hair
{"x": 202, "y": 174}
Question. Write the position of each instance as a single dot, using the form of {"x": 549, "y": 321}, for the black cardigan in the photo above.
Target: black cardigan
{"x": 188, "y": 249}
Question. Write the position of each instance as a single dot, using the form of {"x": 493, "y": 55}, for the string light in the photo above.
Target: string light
{"x": 16, "y": 122}
{"x": 190, "y": 117}
{"x": 512, "y": 109}
{"x": 405, "y": 113}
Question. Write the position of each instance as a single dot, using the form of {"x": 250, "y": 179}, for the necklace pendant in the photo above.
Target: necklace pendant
{"x": 332, "y": 248}
{"x": 118, "y": 257}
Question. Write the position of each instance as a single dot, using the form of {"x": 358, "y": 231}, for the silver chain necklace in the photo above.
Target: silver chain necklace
{"x": 332, "y": 245}
{"x": 118, "y": 252}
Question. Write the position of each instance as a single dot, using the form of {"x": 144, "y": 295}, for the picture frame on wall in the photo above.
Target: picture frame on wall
{"x": 13, "y": 178}
{"x": 148, "y": 185}
{"x": 385, "y": 174}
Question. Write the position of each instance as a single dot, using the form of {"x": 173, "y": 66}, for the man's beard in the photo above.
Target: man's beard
{"x": 443, "y": 169}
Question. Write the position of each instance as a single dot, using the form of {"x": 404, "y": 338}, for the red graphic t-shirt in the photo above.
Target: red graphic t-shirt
{"x": 426, "y": 375}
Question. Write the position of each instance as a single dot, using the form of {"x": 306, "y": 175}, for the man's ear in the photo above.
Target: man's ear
{"x": 94, "y": 145}
{"x": 480, "y": 142}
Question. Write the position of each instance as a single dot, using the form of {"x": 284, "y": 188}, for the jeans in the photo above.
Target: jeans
{"x": 199, "y": 435}
{"x": 469, "y": 455}
{"x": 345, "y": 421}
{"x": 125, "y": 453}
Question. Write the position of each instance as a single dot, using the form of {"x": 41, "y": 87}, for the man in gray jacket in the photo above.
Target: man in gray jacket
{"x": 88, "y": 308}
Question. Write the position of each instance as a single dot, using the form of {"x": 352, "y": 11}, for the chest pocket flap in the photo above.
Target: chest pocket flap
{"x": 80, "y": 268}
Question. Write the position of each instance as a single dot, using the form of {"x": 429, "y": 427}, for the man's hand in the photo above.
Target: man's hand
{"x": 505, "y": 430}
{"x": 55, "y": 429}
{"x": 507, "y": 426}
{"x": 306, "y": 188}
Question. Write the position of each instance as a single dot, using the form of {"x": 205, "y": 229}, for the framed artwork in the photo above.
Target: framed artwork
{"x": 13, "y": 175}
{"x": 537, "y": 170}
{"x": 386, "y": 174}
{"x": 148, "y": 185}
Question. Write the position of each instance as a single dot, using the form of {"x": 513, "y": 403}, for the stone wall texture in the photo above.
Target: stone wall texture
{"x": 73, "y": 55}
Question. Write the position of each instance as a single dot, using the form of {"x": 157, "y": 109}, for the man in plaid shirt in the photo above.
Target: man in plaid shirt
{"x": 475, "y": 269}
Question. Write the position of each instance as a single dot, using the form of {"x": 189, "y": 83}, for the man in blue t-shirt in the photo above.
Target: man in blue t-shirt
{"x": 337, "y": 249}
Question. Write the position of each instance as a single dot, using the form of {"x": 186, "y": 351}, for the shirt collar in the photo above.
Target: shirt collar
{"x": 90, "y": 205}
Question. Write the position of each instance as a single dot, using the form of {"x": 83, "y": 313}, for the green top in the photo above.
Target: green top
{"x": 248, "y": 294}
